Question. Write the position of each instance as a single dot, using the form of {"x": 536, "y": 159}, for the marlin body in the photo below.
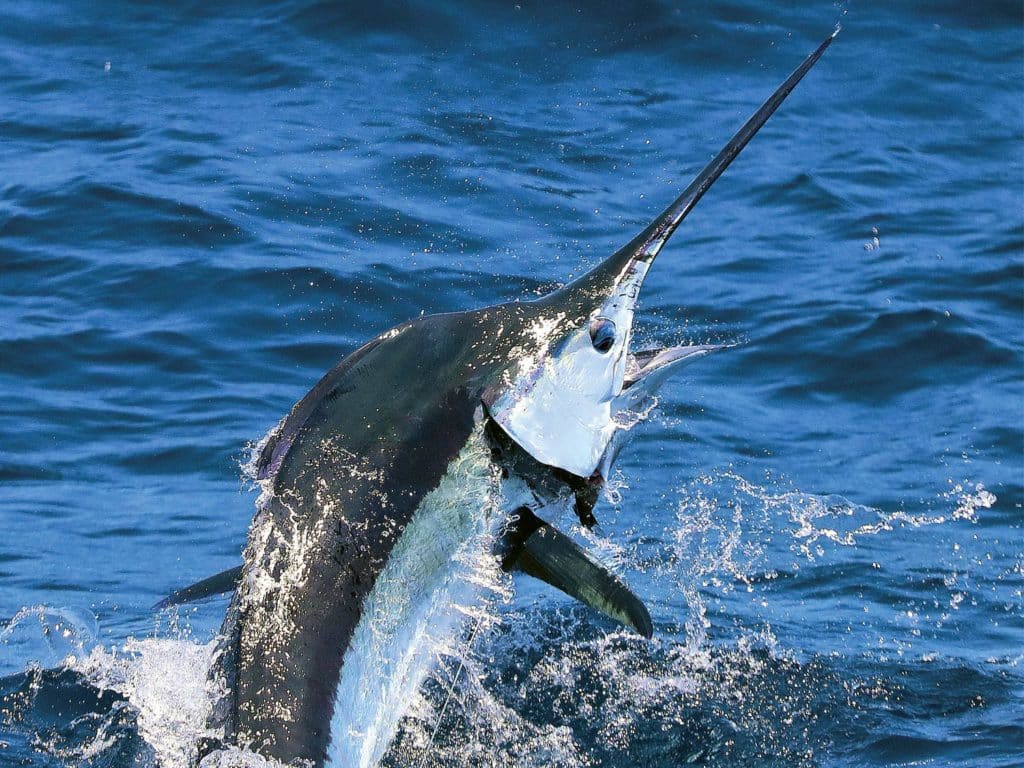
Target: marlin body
{"x": 444, "y": 434}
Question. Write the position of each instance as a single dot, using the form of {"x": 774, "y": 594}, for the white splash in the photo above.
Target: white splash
{"x": 166, "y": 682}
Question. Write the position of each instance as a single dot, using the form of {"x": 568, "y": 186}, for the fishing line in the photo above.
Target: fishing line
{"x": 451, "y": 689}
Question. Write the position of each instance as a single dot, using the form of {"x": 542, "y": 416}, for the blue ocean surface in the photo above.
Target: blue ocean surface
{"x": 204, "y": 206}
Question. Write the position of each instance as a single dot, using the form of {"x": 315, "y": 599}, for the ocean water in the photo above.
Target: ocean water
{"x": 204, "y": 206}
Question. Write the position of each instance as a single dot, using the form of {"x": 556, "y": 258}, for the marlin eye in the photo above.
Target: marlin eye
{"x": 602, "y": 334}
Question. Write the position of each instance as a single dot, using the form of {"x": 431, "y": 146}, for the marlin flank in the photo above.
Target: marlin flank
{"x": 448, "y": 429}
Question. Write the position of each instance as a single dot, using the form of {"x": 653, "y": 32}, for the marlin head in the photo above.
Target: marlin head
{"x": 574, "y": 371}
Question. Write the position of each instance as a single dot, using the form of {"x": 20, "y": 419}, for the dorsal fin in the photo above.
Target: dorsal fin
{"x": 332, "y": 384}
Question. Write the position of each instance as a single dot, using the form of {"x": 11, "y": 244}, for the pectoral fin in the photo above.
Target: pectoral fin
{"x": 225, "y": 581}
{"x": 547, "y": 554}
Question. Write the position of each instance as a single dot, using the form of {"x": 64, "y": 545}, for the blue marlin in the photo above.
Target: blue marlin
{"x": 448, "y": 429}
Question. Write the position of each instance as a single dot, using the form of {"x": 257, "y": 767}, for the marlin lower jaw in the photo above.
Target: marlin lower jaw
{"x": 651, "y": 366}
{"x": 647, "y": 370}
